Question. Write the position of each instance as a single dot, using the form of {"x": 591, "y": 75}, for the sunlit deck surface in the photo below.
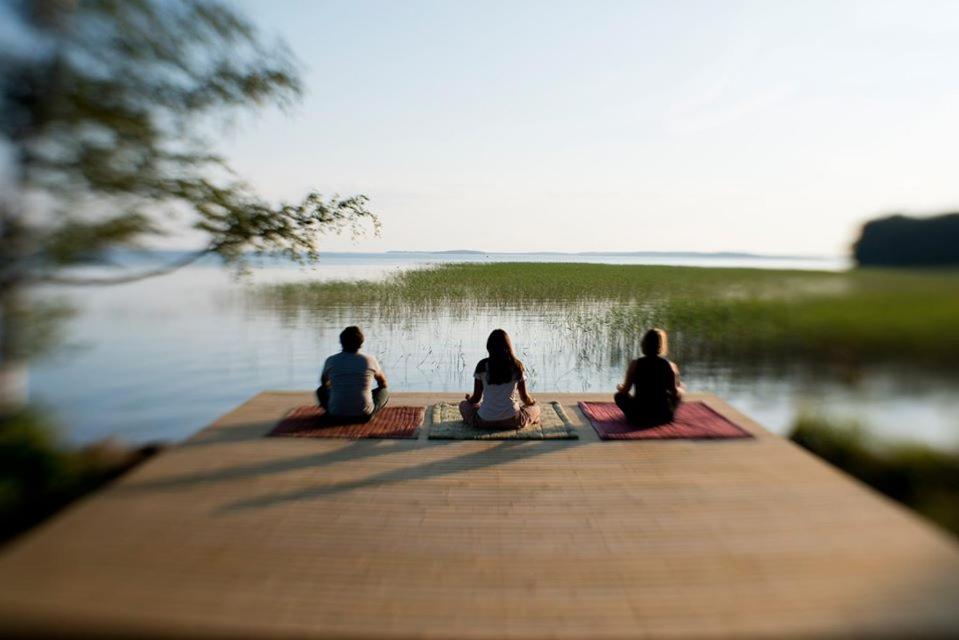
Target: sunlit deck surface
{"x": 231, "y": 534}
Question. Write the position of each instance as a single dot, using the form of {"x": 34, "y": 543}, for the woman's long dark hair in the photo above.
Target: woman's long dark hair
{"x": 503, "y": 364}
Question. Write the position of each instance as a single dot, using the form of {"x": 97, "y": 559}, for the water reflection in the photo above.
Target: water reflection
{"x": 428, "y": 345}
{"x": 160, "y": 359}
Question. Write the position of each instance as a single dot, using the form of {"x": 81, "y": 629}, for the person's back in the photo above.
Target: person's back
{"x": 351, "y": 383}
{"x": 499, "y": 384}
{"x": 654, "y": 384}
{"x": 654, "y": 381}
{"x": 500, "y": 400}
{"x": 346, "y": 383}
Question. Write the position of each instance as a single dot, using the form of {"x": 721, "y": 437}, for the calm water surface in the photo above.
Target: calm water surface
{"x": 159, "y": 359}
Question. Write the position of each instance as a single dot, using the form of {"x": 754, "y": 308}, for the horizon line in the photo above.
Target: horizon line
{"x": 712, "y": 254}
{"x": 717, "y": 254}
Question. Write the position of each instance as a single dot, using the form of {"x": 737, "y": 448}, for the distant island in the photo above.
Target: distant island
{"x": 663, "y": 254}
{"x": 904, "y": 241}
{"x": 469, "y": 251}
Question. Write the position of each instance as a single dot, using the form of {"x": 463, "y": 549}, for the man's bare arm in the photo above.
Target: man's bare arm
{"x": 630, "y": 376}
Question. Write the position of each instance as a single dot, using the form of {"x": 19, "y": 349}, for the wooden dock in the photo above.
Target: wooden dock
{"x": 233, "y": 535}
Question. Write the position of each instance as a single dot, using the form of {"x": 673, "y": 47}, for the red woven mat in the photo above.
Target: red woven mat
{"x": 693, "y": 420}
{"x": 390, "y": 422}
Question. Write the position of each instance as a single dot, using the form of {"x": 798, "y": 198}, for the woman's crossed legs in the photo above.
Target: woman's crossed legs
{"x": 528, "y": 414}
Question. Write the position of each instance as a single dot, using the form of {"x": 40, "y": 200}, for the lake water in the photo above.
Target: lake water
{"x": 161, "y": 358}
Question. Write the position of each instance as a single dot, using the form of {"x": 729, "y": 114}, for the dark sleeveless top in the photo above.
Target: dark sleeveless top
{"x": 655, "y": 386}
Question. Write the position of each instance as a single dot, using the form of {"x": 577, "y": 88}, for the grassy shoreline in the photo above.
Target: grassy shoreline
{"x": 40, "y": 475}
{"x": 859, "y": 316}
{"x": 918, "y": 476}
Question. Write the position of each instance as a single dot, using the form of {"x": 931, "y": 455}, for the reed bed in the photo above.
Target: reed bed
{"x": 852, "y": 317}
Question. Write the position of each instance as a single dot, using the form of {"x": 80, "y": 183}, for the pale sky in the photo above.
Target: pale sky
{"x": 768, "y": 127}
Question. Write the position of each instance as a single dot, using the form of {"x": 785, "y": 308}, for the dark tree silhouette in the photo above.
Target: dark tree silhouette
{"x": 906, "y": 241}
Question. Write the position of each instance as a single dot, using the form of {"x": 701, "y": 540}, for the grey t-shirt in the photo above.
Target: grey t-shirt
{"x": 351, "y": 382}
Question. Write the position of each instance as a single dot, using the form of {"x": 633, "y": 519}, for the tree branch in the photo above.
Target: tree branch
{"x": 106, "y": 281}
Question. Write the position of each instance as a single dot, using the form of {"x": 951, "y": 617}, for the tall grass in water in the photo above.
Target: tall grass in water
{"x": 918, "y": 476}
{"x": 554, "y": 282}
{"x": 730, "y": 314}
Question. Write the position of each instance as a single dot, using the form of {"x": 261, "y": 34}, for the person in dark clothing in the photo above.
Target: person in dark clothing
{"x": 655, "y": 379}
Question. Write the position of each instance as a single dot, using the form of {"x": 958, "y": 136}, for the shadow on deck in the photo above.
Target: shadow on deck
{"x": 233, "y": 534}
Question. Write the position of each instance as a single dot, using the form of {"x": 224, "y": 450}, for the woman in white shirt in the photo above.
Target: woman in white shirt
{"x": 498, "y": 387}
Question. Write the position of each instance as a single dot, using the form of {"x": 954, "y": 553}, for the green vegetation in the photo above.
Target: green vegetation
{"x": 39, "y": 475}
{"x": 107, "y": 114}
{"x": 922, "y": 478}
{"x": 906, "y": 241}
{"x": 106, "y": 121}
{"x": 847, "y": 318}
{"x": 521, "y": 282}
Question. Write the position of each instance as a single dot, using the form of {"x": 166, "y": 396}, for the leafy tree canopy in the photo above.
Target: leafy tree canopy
{"x": 105, "y": 115}
{"x": 904, "y": 241}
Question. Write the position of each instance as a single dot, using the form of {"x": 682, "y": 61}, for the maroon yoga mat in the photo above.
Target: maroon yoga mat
{"x": 390, "y": 422}
{"x": 693, "y": 420}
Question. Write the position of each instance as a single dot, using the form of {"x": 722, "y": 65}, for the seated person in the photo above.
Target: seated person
{"x": 658, "y": 390}
{"x": 497, "y": 379}
{"x": 347, "y": 379}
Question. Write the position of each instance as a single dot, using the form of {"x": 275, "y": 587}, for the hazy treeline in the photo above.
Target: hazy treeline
{"x": 916, "y": 475}
{"x": 905, "y": 241}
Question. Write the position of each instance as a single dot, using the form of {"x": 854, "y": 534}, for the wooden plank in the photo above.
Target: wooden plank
{"x": 233, "y": 534}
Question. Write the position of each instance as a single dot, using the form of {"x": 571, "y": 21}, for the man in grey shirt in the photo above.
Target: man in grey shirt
{"x": 346, "y": 383}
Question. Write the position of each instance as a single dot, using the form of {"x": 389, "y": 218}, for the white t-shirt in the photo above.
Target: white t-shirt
{"x": 500, "y": 401}
{"x": 351, "y": 382}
